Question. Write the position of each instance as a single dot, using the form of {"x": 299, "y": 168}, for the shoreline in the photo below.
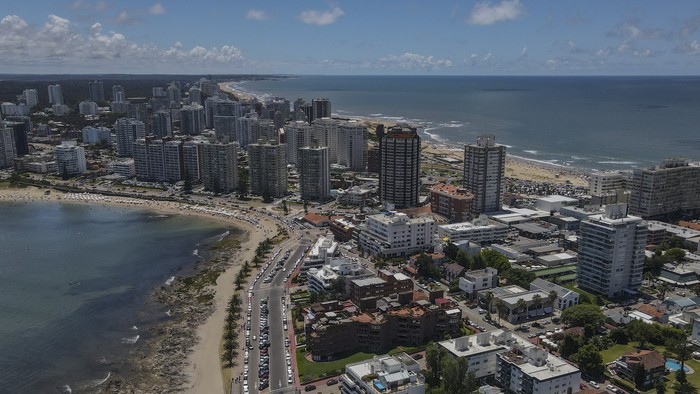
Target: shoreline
{"x": 182, "y": 354}
{"x": 519, "y": 167}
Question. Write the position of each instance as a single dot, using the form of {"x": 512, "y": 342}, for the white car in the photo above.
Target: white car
{"x": 594, "y": 384}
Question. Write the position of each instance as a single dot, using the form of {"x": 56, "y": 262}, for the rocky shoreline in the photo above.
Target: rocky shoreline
{"x": 158, "y": 367}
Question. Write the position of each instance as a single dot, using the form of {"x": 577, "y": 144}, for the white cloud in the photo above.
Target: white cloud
{"x": 314, "y": 17}
{"x": 524, "y": 52}
{"x": 489, "y": 56}
{"x": 689, "y": 48}
{"x": 487, "y": 14}
{"x": 257, "y": 15}
{"x": 157, "y": 9}
{"x": 413, "y": 61}
{"x": 59, "y": 46}
{"x": 646, "y": 52}
{"x": 125, "y": 18}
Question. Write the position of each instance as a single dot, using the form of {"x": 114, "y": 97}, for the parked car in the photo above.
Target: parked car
{"x": 310, "y": 387}
{"x": 331, "y": 382}
{"x": 594, "y": 384}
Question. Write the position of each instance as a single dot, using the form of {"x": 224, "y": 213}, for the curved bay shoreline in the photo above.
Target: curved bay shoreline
{"x": 181, "y": 354}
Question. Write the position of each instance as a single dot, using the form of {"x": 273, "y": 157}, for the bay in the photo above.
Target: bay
{"x": 75, "y": 282}
{"x": 587, "y": 122}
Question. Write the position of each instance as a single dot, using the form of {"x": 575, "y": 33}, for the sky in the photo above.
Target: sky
{"x": 378, "y": 37}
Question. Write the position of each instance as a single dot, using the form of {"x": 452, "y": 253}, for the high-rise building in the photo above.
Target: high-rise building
{"x": 352, "y": 146}
{"x": 21, "y": 140}
{"x": 162, "y": 125}
{"x": 70, "y": 158}
{"x": 399, "y": 180}
{"x": 173, "y": 93}
{"x": 128, "y": 131}
{"x": 97, "y": 136}
{"x": 608, "y": 187}
{"x": 118, "y": 93}
{"x": 264, "y": 129}
{"x": 56, "y": 94}
{"x": 326, "y": 134}
{"x": 195, "y": 95}
{"x": 8, "y": 151}
{"x": 484, "y": 169}
{"x": 245, "y": 128}
{"x": 320, "y": 108}
{"x": 314, "y": 173}
{"x": 297, "y": 134}
{"x": 191, "y": 119}
{"x": 87, "y": 108}
{"x": 96, "y": 91}
{"x": 158, "y": 160}
{"x": 137, "y": 108}
{"x": 220, "y": 167}
{"x": 8, "y": 109}
{"x": 268, "y": 168}
{"x": 669, "y": 188}
{"x": 191, "y": 160}
{"x": 31, "y": 97}
{"x": 611, "y": 252}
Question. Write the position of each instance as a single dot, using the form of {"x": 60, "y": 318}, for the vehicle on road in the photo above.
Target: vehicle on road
{"x": 594, "y": 384}
{"x": 331, "y": 382}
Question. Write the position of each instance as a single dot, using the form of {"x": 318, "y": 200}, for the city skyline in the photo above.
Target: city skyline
{"x": 507, "y": 37}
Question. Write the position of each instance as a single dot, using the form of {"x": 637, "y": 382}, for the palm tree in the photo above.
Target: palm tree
{"x": 521, "y": 307}
{"x": 552, "y": 297}
{"x": 500, "y": 306}
{"x": 537, "y": 302}
{"x": 488, "y": 298}
{"x": 649, "y": 277}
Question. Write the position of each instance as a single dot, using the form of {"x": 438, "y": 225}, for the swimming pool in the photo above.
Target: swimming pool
{"x": 675, "y": 365}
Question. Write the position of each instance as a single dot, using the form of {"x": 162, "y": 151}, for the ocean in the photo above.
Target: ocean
{"x": 586, "y": 122}
{"x": 75, "y": 282}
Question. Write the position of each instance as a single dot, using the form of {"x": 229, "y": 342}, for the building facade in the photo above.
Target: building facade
{"x": 451, "y": 202}
{"x": 314, "y": 173}
{"x": 484, "y": 169}
{"x": 477, "y": 280}
{"x": 611, "y": 252}
{"x": 481, "y": 230}
{"x": 70, "y": 158}
{"x": 268, "y": 169}
{"x": 219, "y": 170}
{"x": 395, "y": 235}
{"x": 669, "y": 188}
{"x": 399, "y": 175}
{"x": 128, "y": 131}
{"x": 399, "y": 374}
{"x": 352, "y": 146}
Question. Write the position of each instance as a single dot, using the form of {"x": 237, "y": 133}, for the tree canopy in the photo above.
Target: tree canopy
{"x": 582, "y": 314}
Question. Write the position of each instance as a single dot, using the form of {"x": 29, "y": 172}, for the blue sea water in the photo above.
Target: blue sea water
{"x": 75, "y": 282}
{"x": 588, "y": 122}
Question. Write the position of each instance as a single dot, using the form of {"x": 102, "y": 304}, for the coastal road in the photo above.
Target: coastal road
{"x": 276, "y": 294}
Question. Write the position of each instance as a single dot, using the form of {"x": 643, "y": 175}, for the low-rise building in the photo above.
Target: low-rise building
{"x": 653, "y": 362}
{"x": 322, "y": 279}
{"x": 324, "y": 248}
{"x": 366, "y": 291}
{"x": 535, "y": 303}
{"x": 528, "y": 369}
{"x": 480, "y": 349}
{"x": 565, "y": 298}
{"x": 477, "y": 280}
{"x": 481, "y": 230}
{"x": 398, "y": 374}
{"x": 394, "y": 234}
{"x": 452, "y": 202}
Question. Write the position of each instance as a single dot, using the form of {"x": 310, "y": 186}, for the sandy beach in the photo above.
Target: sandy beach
{"x": 203, "y": 365}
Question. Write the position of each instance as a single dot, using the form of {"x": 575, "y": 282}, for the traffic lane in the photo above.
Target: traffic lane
{"x": 288, "y": 267}
{"x": 254, "y": 353}
{"x": 278, "y": 365}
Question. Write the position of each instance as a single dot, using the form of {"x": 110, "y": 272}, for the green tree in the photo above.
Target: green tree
{"x": 660, "y": 387}
{"x": 521, "y": 307}
{"x": 519, "y": 276}
{"x": 580, "y": 315}
{"x": 495, "y": 260}
{"x": 433, "y": 363}
{"x": 537, "y": 303}
{"x": 284, "y": 207}
{"x": 463, "y": 259}
{"x": 569, "y": 345}
{"x": 639, "y": 374}
{"x": 451, "y": 251}
{"x": 306, "y": 206}
{"x": 676, "y": 254}
{"x": 589, "y": 360}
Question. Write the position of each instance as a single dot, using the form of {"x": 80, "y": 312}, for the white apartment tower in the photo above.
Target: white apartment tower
{"x": 352, "y": 146}
{"x": 56, "y": 94}
{"x": 8, "y": 151}
{"x": 399, "y": 175}
{"x": 484, "y": 169}
{"x": 191, "y": 160}
{"x": 219, "y": 167}
{"x": 611, "y": 252}
{"x": 31, "y": 97}
{"x": 326, "y": 134}
{"x": 128, "y": 131}
{"x": 268, "y": 169}
{"x": 314, "y": 173}
{"x": 297, "y": 135}
{"x": 70, "y": 158}
{"x": 668, "y": 188}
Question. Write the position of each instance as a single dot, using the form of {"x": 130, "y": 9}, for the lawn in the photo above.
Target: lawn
{"x": 309, "y": 370}
{"x": 616, "y": 351}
